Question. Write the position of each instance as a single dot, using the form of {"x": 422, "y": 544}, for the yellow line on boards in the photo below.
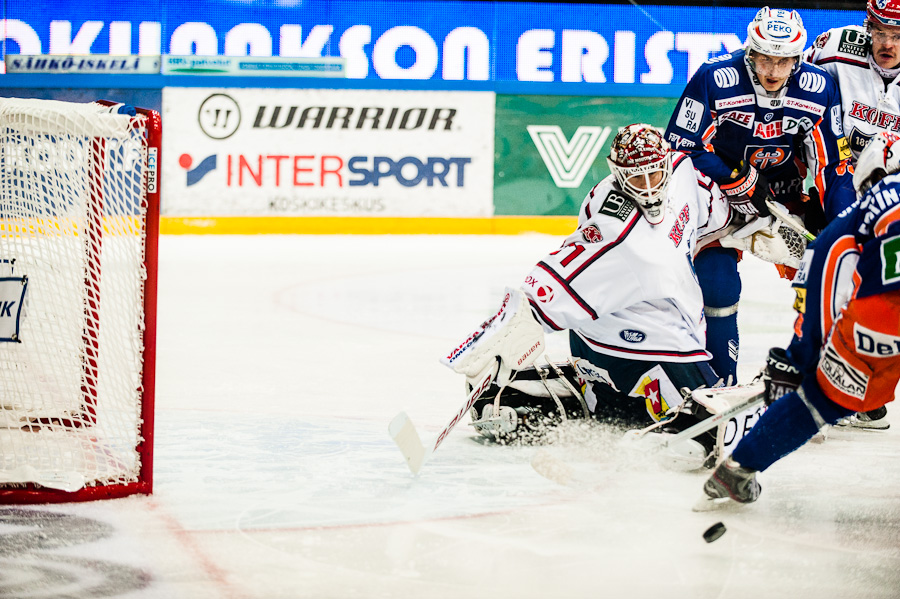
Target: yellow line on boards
{"x": 326, "y": 225}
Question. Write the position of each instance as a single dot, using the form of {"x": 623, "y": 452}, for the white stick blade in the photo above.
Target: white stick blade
{"x": 407, "y": 439}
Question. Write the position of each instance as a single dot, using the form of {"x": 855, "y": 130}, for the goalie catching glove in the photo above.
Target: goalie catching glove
{"x": 768, "y": 238}
{"x": 512, "y": 335}
{"x": 746, "y": 191}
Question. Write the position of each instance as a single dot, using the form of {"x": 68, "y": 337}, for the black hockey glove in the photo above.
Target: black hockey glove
{"x": 780, "y": 376}
{"x": 814, "y": 215}
{"x": 746, "y": 191}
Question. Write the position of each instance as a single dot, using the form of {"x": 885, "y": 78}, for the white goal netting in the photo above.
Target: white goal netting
{"x": 73, "y": 180}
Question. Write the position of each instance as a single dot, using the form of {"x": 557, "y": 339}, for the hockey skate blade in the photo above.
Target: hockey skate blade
{"x": 407, "y": 439}
{"x": 708, "y": 504}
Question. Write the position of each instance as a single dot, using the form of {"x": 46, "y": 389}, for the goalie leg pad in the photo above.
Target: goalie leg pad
{"x": 536, "y": 400}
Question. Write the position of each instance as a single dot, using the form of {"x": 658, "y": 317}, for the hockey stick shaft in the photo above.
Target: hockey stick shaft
{"x": 477, "y": 390}
{"x": 407, "y": 438}
{"x": 713, "y": 421}
{"x": 782, "y": 215}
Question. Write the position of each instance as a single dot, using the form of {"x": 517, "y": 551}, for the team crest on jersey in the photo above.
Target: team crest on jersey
{"x": 632, "y": 335}
{"x": 822, "y": 40}
{"x": 617, "y": 205}
{"x": 858, "y": 141}
{"x": 657, "y": 391}
{"x": 544, "y": 294}
{"x": 763, "y": 157}
{"x": 854, "y": 42}
{"x": 591, "y": 234}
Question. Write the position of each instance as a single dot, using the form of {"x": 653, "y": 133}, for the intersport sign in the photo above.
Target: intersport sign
{"x": 326, "y": 152}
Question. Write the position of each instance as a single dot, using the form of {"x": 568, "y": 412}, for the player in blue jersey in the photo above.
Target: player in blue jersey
{"x": 845, "y": 356}
{"x": 757, "y": 122}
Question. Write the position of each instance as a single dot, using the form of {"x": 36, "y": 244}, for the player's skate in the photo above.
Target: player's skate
{"x": 872, "y": 420}
{"x": 729, "y": 481}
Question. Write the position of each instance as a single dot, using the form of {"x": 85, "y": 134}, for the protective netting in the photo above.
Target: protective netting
{"x": 72, "y": 232}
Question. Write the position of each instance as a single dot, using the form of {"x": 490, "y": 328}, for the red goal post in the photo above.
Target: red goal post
{"x": 79, "y": 226}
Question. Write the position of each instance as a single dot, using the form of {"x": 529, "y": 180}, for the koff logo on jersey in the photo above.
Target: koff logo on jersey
{"x": 874, "y": 116}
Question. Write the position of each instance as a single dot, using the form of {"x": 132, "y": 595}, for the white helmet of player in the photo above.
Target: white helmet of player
{"x": 884, "y": 12}
{"x": 880, "y": 158}
{"x": 776, "y": 32}
{"x": 642, "y": 163}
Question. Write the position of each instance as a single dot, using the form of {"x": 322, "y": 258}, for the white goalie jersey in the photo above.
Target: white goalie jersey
{"x": 869, "y": 103}
{"x": 627, "y": 287}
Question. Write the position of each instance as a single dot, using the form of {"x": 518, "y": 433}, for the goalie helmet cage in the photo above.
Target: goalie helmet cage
{"x": 79, "y": 224}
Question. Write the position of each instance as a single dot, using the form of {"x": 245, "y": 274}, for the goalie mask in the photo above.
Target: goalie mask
{"x": 880, "y": 158}
{"x": 642, "y": 164}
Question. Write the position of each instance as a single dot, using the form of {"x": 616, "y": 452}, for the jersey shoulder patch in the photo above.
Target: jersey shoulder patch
{"x": 617, "y": 205}
{"x": 842, "y": 44}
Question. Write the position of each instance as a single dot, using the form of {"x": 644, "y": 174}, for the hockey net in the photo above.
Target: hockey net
{"x": 79, "y": 212}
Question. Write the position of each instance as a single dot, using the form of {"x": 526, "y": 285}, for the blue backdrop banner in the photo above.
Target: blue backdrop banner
{"x": 477, "y": 45}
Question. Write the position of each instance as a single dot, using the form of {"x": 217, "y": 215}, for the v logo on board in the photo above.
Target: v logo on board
{"x": 568, "y": 160}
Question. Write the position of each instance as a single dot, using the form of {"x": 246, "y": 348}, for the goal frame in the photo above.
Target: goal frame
{"x": 31, "y": 493}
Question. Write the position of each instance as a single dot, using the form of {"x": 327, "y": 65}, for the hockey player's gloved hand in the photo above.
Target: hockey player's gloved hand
{"x": 746, "y": 191}
{"x": 780, "y": 376}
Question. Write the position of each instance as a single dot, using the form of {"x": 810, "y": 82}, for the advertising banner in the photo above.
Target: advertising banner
{"x": 306, "y": 152}
{"x": 624, "y": 45}
{"x": 104, "y": 64}
{"x": 551, "y": 150}
{"x": 258, "y": 67}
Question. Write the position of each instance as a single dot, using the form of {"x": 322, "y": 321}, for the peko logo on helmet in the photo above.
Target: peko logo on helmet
{"x": 776, "y": 32}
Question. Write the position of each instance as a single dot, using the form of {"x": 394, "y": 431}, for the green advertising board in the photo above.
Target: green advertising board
{"x": 549, "y": 151}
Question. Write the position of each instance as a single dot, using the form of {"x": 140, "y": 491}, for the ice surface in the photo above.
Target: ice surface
{"x": 283, "y": 359}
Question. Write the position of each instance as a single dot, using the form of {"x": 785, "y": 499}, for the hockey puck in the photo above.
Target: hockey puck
{"x": 714, "y": 532}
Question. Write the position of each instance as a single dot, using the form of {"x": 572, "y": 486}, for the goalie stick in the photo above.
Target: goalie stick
{"x": 713, "y": 421}
{"x": 781, "y": 215}
{"x": 407, "y": 438}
